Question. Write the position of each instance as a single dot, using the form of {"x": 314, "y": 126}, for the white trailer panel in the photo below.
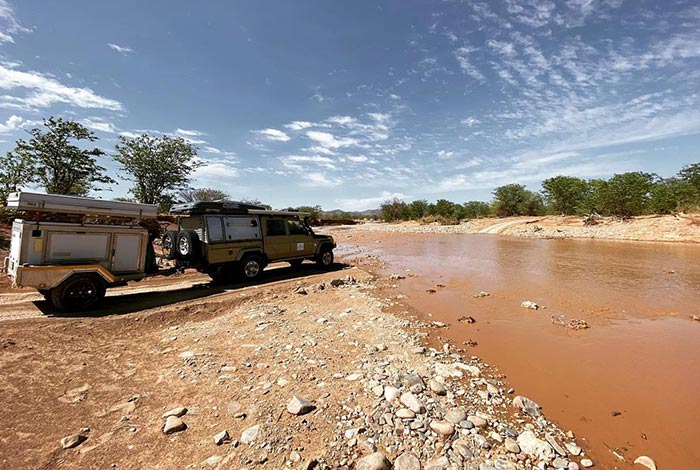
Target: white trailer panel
{"x": 56, "y": 203}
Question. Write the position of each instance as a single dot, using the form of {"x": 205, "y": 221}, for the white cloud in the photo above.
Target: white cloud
{"x": 129, "y": 134}
{"x": 121, "y": 49}
{"x": 462, "y": 56}
{"x": 212, "y": 150}
{"x": 327, "y": 140}
{"x": 299, "y": 125}
{"x": 44, "y": 92}
{"x": 188, "y": 132}
{"x": 273, "y": 135}
{"x": 9, "y": 24}
{"x": 12, "y": 124}
{"x": 357, "y": 158}
{"x": 470, "y": 121}
{"x": 445, "y": 154}
{"x": 320, "y": 180}
{"x": 367, "y": 203}
{"x": 101, "y": 126}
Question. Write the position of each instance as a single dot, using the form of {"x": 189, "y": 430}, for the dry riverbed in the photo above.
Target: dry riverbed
{"x": 323, "y": 371}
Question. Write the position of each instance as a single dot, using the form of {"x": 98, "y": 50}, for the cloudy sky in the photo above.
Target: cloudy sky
{"x": 345, "y": 104}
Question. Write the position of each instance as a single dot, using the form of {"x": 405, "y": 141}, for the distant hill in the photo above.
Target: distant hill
{"x": 352, "y": 214}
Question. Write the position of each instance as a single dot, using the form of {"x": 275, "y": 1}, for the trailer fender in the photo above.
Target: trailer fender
{"x": 48, "y": 277}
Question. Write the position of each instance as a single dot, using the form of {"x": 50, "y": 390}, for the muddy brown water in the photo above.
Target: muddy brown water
{"x": 639, "y": 358}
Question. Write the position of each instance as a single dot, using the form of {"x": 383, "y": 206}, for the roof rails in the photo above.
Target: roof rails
{"x": 60, "y": 204}
{"x": 227, "y": 208}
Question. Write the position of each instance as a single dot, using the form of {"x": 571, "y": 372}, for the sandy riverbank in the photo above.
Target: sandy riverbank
{"x": 666, "y": 228}
{"x": 235, "y": 359}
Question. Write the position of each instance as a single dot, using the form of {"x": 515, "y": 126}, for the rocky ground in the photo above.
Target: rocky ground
{"x": 322, "y": 371}
{"x": 675, "y": 228}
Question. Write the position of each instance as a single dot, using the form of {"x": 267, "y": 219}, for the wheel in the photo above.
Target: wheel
{"x": 325, "y": 258}
{"x": 187, "y": 244}
{"x": 221, "y": 273}
{"x": 78, "y": 292}
{"x": 251, "y": 267}
{"x": 47, "y": 295}
{"x": 295, "y": 263}
{"x": 168, "y": 243}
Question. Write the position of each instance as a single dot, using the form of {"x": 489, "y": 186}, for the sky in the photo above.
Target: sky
{"x": 347, "y": 104}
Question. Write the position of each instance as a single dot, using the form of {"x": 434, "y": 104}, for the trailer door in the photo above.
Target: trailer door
{"x": 127, "y": 252}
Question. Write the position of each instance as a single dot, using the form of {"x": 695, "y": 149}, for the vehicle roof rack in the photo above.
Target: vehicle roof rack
{"x": 76, "y": 205}
{"x": 214, "y": 207}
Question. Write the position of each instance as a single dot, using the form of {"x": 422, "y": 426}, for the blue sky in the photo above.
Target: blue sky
{"x": 346, "y": 104}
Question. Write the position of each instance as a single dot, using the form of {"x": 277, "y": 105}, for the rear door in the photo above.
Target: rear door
{"x": 276, "y": 238}
{"x": 301, "y": 243}
{"x": 127, "y": 252}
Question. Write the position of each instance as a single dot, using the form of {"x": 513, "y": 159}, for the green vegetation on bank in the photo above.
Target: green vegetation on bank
{"x": 624, "y": 195}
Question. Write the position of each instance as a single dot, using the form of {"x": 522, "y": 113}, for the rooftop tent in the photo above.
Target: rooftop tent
{"x": 60, "y": 204}
{"x": 214, "y": 207}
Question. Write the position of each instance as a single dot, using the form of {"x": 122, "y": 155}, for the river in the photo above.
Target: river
{"x": 629, "y": 384}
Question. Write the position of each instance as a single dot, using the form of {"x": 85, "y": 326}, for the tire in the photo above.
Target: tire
{"x": 187, "y": 244}
{"x": 251, "y": 267}
{"x": 47, "y": 295}
{"x": 78, "y": 292}
{"x": 168, "y": 243}
{"x": 295, "y": 263}
{"x": 222, "y": 273}
{"x": 325, "y": 258}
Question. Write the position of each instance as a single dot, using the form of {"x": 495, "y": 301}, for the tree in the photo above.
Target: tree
{"x": 510, "y": 199}
{"x": 60, "y": 166}
{"x": 690, "y": 176}
{"x": 256, "y": 202}
{"x": 626, "y": 194}
{"x": 417, "y": 209}
{"x": 158, "y": 166}
{"x": 15, "y": 171}
{"x": 476, "y": 209}
{"x": 564, "y": 194}
{"x": 201, "y": 194}
{"x": 394, "y": 209}
{"x": 314, "y": 211}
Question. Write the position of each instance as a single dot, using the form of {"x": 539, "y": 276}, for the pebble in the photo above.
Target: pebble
{"x": 177, "y": 412}
{"x": 512, "y": 446}
{"x": 530, "y": 304}
{"x": 586, "y": 463}
{"x": 410, "y": 401}
{"x": 646, "y": 461}
{"x": 437, "y": 388}
{"x": 527, "y": 406}
{"x": 299, "y": 406}
{"x": 443, "y": 428}
{"x": 375, "y": 461}
{"x": 455, "y": 416}
{"x": 407, "y": 461}
{"x": 353, "y": 377}
{"x": 573, "y": 466}
{"x": 74, "y": 440}
{"x": 173, "y": 424}
{"x": 560, "y": 463}
{"x": 462, "y": 448}
{"x": 531, "y": 445}
{"x": 477, "y": 421}
{"x": 437, "y": 463}
{"x": 573, "y": 448}
{"x": 405, "y": 413}
{"x": 249, "y": 435}
{"x": 221, "y": 437}
{"x": 555, "y": 445}
{"x": 391, "y": 393}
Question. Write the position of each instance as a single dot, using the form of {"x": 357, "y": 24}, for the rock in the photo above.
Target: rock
{"x": 527, "y": 406}
{"x": 695, "y": 317}
{"x": 455, "y": 416}
{"x": 477, "y": 421}
{"x": 502, "y": 464}
{"x": 75, "y": 440}
{"x": 555, "y": 445}
{"x": 337, "y": 282}
{"x": 560, "y": 463}
{"x": 646, "y": 461}
{"x": 573, "y": 466}
{"x": 249, "y": 435}
{"x": 173, "y": 424}
{"x": 221, "y": 437}
{"x": 299, "y": 406}
{"x": 375, "y": 461}
{"x": 300, "y": 290}
{"x": 530, "y": 304}
{"x": 461, "y": 447}
{"x": 177, "y": 412}
{"x": 418, "y": 350}
{"x": 405, "y": 413}
{"x": 378, "y": 391}
{"x": 531, "y": 445}
{"x": 586, "y": 463}
{"x": 466, "y": 424}
{"x": 481, "y": 294}
{"x": 443, "y": 428}
{"x": 512, "y": 446}
{"x": 353, "y": 377}
{"x": 437, "y": 388}
{"x": 391, "y": 393}
{"x": 412, "y": 403}
{"x": 407, "y": 461}
{"x": 414, "y": 383}
{"x": 573, "y": 448}
{"x": 437, "y": 463}
{"x": 294, "y": 456}
{"x": 213, "y": 461}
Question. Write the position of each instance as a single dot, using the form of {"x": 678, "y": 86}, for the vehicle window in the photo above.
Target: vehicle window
{"x": 296, "y": 227}
{"x": 275, "y": 228}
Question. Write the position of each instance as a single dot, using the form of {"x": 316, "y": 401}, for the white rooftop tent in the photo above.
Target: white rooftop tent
{"x": 55, "y": 203}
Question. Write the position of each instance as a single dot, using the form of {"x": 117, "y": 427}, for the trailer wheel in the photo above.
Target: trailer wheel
{"x": 78, "y": 292}
{"x": 168, "y": 244}
{"x": 47, "y": 295}
{"x": 187, "y": 244}
{"x": 251, "y": 267}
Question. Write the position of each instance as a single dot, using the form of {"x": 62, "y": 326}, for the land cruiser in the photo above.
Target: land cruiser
{"x": 224, "y": 238}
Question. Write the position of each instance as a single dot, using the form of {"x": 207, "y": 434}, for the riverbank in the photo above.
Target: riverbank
{"x": 230, "y": 363}
{"x": 665, "y": 228}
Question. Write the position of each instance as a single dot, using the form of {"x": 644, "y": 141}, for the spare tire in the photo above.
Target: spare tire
{"x": 168, "y": 243}
{"x": 187, "y": 244}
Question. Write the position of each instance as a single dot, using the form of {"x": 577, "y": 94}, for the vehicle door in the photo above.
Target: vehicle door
{"x": 301, "y": 242}
{"x": 276, "y": 238}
